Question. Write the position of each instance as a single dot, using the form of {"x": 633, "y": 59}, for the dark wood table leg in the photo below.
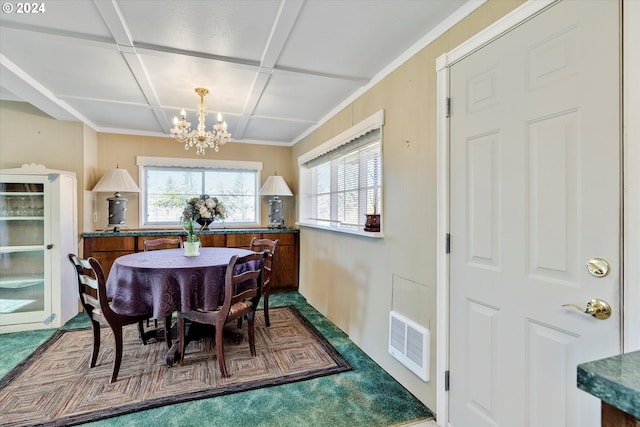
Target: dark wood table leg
{"x": 195, "y": 332}
{"x": 173, "y": 356}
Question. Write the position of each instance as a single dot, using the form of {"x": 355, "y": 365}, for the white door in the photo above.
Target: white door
{"x": 535, "y": 183}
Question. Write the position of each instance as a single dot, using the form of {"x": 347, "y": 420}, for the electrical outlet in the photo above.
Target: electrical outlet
{"x": 95, "y": 217}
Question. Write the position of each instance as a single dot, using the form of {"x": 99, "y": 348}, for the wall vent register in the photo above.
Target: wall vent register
{"x": 409, "y": 344}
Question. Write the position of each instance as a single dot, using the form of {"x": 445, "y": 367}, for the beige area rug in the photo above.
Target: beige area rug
{"x": 55, "y": 386}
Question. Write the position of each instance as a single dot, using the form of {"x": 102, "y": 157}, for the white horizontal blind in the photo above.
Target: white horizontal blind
{"x": 346, "y": 182}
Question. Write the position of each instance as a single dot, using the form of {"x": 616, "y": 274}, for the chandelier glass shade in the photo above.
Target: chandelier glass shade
{"x": 200, "y": 138}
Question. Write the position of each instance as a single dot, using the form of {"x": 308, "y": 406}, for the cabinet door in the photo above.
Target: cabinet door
{"x": 286, "y": 277}
{"x": 213, "y": 240}
{"x": 107, "y": 249}
{"x": 287, "y": 269}
{"x": 241, "y": 240}
{"x": 25, "y": 261}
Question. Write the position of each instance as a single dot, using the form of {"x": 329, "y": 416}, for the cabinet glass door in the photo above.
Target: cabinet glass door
{"x": 24, "y": 297}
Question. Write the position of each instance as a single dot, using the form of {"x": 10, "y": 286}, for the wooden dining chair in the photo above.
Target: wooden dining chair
{"x": 259, "y": 245}
{"x": 241, "y": 298}
{"x": 157, "y": 244}
{"x": 163, "y": 243}
{"x": 92, "y": 292}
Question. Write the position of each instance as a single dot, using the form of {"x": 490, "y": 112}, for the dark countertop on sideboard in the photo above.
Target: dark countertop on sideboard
{"x": 614, "y": 380}
{"x": 176, "y": 232}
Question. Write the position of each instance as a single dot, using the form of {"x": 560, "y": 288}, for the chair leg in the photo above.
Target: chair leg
{"x": 117, "y": 335}
{"x": 220, "y": 349}
{"x": 252, "y": 338}
{"x": 143, "y": 336}
{"x": 265, "y": 303}
{"x": 181, "y": 340}
{"x": 95, "y": 326}
{"x": 167, "y": 330}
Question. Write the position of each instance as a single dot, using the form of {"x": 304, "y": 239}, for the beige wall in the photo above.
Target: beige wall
{"x": 27, "y": 135}
{"x": 122, "y": 150}
{"x": 355, "y": 281}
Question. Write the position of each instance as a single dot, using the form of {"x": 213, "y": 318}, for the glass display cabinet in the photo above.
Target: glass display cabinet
{"x": 38, "y": 228}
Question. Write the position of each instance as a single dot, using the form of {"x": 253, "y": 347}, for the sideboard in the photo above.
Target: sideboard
{"x": 107, "y": 246}
{"x": 615, "y": 381}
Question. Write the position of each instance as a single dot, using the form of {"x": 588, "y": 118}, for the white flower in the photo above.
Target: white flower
{"x": 203, "y": 207}
{"x": 204, "y": 212}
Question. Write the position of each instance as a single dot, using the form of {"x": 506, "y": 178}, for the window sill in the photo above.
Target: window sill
{"x": 347, "y": 229}
{"x": 212, "y": 226}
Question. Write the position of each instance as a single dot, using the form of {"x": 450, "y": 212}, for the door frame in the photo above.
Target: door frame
{"x": 630, "y": 191}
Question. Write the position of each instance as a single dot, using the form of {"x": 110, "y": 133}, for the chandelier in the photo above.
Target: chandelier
{"x": 200, "y": 139}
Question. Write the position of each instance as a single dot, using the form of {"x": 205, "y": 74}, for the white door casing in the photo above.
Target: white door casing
{"x": 535, "y": 171}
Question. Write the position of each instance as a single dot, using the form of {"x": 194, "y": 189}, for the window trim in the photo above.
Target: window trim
{"x": 375, "y": 121}
{"x": 143, "y": 161}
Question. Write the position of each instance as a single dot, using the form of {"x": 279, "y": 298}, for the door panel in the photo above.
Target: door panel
{"x": 535, "y": 184}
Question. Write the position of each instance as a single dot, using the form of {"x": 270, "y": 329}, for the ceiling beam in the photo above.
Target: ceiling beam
{"x": 30, "y": 90}
{"x": 118, "y": 28}
{"x": 282, "y": 26}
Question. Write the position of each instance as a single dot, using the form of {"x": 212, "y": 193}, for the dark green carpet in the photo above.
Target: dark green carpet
{"x": 366, "y": 396}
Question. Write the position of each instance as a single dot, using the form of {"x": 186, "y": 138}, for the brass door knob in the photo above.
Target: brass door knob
{"x": 599, "y": 267}
{"x": 596, "y": 307}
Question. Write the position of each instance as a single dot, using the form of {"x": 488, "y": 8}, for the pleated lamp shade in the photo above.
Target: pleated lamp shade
{"x": 275, "y": 186}
{"x": 116, "y": 181}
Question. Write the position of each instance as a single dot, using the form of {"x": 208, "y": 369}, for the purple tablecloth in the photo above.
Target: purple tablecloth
{"x": 165, "y": 281}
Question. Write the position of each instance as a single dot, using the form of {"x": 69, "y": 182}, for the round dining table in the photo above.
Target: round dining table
{"x": 164, "y": 281}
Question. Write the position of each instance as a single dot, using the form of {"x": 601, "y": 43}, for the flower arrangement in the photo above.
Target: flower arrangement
{"x": 204, "y": 208}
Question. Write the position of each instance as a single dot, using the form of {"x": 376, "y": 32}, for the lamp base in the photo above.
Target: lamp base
{"x": 277, "y": 225}
{"x": 117, "y": 212}
{"x": 116, "y": 228}
{"x": 275, "y": 215}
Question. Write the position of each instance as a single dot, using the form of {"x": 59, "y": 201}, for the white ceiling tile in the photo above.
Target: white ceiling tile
{"x": 119, "y": 116}
{"x": 232, "y": 28}
{"x": 175, "y": 77}
{"x": 260, "y": 129}
{"x": 72, "y": 67}
{"x": 358, "y": 38}
{"x": 301, "y": 97}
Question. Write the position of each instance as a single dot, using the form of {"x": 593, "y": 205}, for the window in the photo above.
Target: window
{"x": 167, "y": 184}
{"x": 341, "y": 180}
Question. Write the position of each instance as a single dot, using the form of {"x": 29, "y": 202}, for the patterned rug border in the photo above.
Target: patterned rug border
{"x": 341, "y": 366}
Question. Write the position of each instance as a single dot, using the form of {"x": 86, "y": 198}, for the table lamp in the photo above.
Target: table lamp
{"x": 275, "y": 186}
{"x": 116, "y": 181}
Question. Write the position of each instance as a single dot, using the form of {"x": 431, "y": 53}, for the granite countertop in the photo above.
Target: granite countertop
{"x": 180, "y": 232}
{"x": 615, "y": 380}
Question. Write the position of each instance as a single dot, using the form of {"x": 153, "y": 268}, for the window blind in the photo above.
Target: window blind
{"x": 353, "y": 145}
{"x": 346, "y": 181}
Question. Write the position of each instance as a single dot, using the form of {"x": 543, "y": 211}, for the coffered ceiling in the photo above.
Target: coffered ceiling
{"x": 275, "y": 69}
